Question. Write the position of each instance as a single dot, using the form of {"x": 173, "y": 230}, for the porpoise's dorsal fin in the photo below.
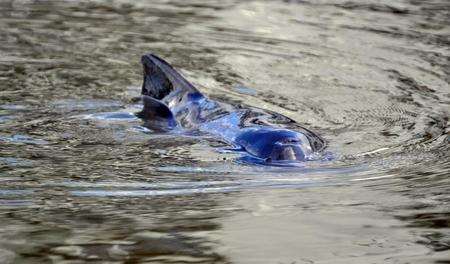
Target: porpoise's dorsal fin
{"x": 156, "y": 114}
{"x": 160, "y": 78}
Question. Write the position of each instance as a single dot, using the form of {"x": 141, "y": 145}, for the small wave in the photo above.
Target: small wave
{"x": 24, "y": 139}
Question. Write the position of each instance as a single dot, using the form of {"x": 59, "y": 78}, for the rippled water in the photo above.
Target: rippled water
{"x": 79, "y": 185}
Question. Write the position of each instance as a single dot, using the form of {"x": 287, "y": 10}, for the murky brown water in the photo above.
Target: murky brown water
{"x": 372, "y": 77}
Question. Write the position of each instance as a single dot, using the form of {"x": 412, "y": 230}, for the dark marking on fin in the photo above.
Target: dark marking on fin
{"x": 160, "y": 78}
{"x": 156, "y": 114}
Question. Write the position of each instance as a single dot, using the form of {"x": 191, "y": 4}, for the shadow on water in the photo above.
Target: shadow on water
{"x": 82, "y": 181}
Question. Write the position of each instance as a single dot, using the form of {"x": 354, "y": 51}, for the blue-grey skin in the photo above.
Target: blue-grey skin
{"x": 170, "y": 102}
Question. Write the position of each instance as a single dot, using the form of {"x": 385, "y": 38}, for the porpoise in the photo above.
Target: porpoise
{"x": 261, "y": 136}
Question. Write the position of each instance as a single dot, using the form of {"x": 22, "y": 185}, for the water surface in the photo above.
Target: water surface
{"x": 82, "y": 181}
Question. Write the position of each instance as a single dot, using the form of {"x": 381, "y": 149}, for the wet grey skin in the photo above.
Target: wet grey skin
{"x": 263, "y": 137}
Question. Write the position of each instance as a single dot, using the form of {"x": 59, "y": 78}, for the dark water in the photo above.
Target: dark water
{"x": 372, "y": 77}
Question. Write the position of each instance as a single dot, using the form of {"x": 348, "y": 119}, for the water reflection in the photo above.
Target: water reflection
{"x": 83, "y": 181}
{"x": 92, "y": 230}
